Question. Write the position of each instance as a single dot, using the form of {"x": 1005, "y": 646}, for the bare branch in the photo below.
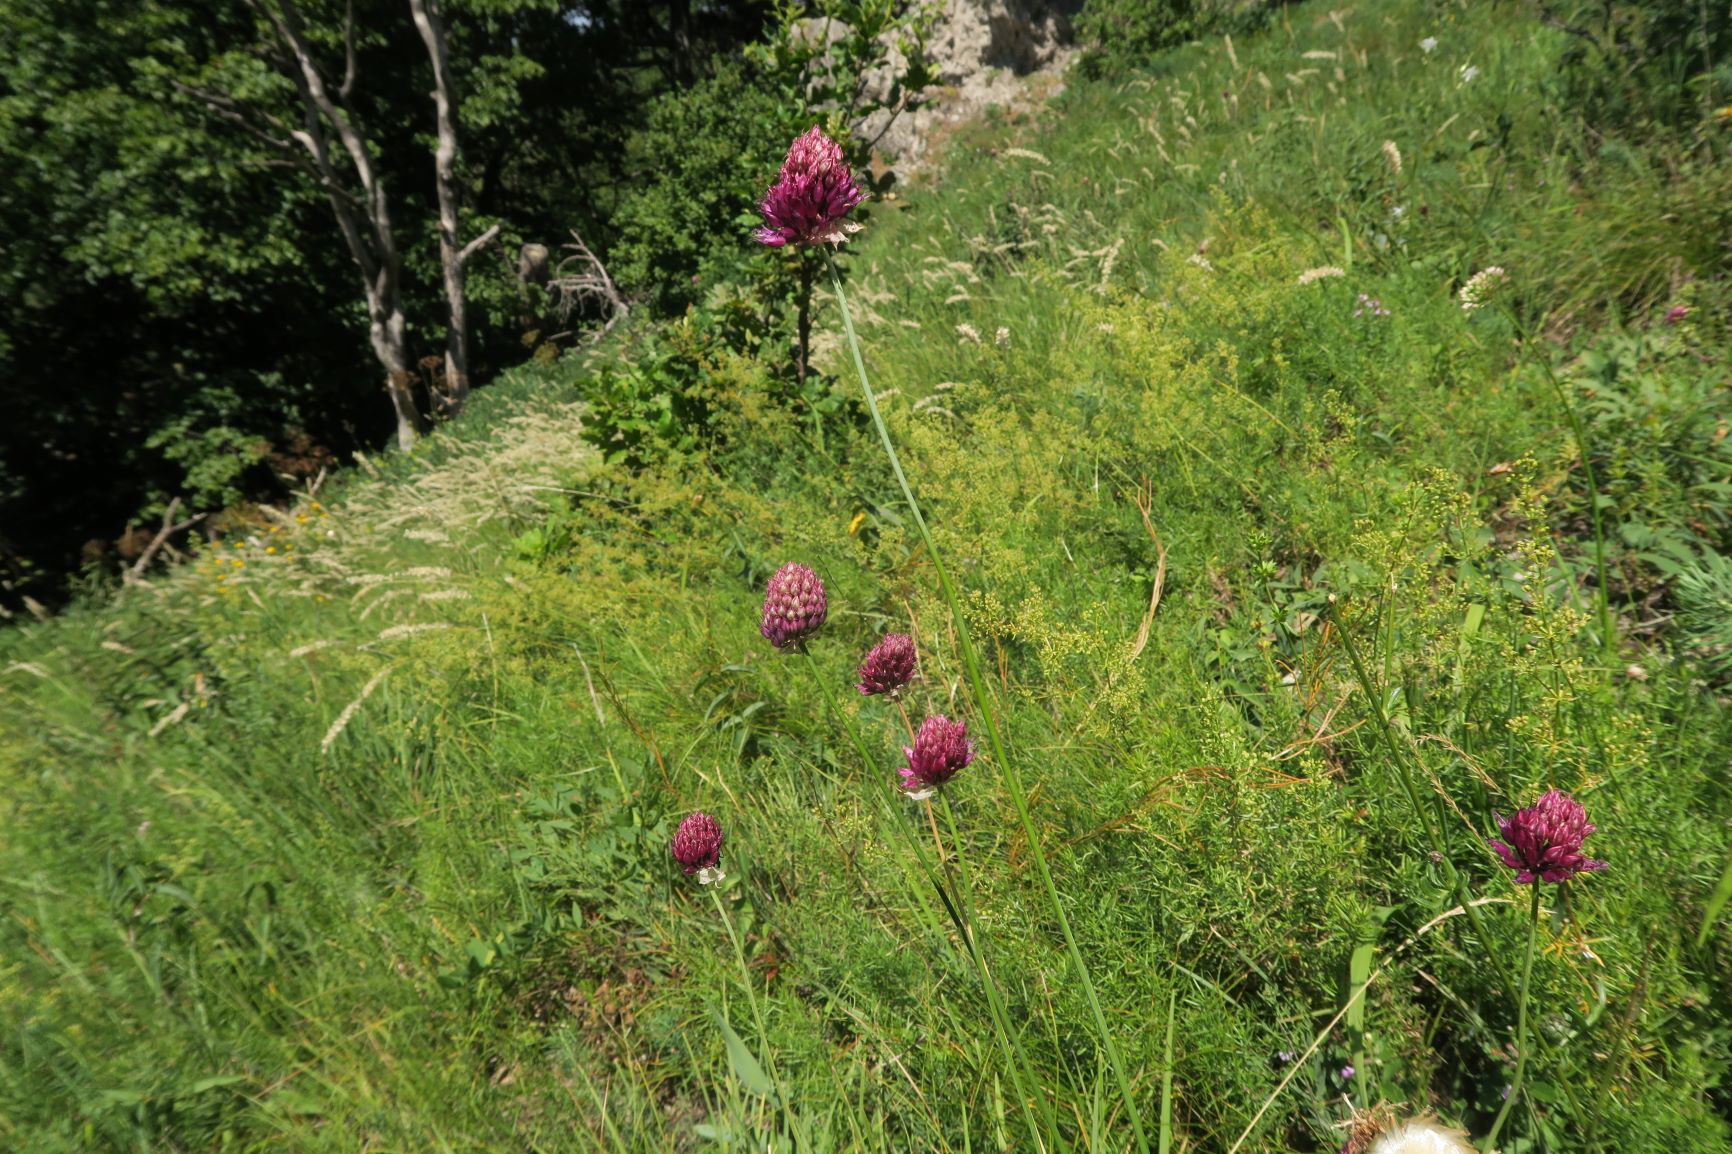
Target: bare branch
{"x": 348, "y": 84}
{"x": 228, "y": 109}
{"x": 477, "y": 244}
{"x": 590, "y": 283}
{"x": 169, "y": 529}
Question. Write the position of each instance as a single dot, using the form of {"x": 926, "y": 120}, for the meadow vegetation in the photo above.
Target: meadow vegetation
{"x": 1287, "y": 574}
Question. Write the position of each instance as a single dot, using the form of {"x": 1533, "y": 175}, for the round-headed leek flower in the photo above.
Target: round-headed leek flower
{"x": 812, "y": 196}
{"x": 1480, "y": 286}
{"x": 794, "y": 606}
{"x": 698, "y": 847}
{"x": 888, "y": 667}
{"x": 1544, "y": 841}
{"x": 940, "y": 749}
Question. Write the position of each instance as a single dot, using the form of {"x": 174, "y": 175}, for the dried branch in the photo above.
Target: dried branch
{"x": 1145, "y": 504}
{"x": 477, "y": 244}
{"x": 169, "y": 528}
{"x": 590, "y": 283}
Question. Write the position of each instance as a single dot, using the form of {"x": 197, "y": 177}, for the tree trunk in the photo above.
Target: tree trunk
{"x": 364, "y": 219}
{"x": 451, "y": 257}
{"x": 385, "y": 329}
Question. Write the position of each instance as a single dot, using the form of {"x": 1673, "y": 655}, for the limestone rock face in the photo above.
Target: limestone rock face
{"x": 1019, "y": 35}
{"x": 980, "y": 50}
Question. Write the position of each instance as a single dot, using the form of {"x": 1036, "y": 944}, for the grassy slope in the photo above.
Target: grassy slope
{"x": 364, "y": 845}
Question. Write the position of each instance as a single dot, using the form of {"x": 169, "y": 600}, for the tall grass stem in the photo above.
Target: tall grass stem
{"x": 1015, "y": 1058}
{"x": 971, "y": 666}
{"x": 1515, "y": 1087}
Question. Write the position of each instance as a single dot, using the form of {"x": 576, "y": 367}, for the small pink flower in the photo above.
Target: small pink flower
{"x": 1677, "y": 313}
{"x": 697, "y": 846}
{"x": 811, "y": 199}
{"x": 1544, "y": 841}
{"x": 795, "y": 606}
{"x": 889, "y": 666}
{"x": 940, "y": 749}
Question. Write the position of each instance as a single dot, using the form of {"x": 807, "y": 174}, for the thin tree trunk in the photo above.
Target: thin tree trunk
{"x": 451, "y": 257}
{"x": 365, "y": 220}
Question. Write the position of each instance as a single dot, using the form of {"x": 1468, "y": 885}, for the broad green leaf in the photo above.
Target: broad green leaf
{"x": 746, "y": 1067}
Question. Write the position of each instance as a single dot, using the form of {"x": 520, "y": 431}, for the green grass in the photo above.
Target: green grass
{"x": 364, "y": 846}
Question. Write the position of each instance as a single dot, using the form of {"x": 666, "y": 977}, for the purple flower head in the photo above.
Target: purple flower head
{"x": 794, "y": 606}
{"x": 811, "y": 199}
{"x": 940, "y": 749}
{"x": 1677, "y": 313}
{"x": 1544, "y": 841}
{"x": 889, "y": 666}
{"x": 1370, "y": 306}
{"x": 1347, "y": 1073}
{"x": 698, "y": 847}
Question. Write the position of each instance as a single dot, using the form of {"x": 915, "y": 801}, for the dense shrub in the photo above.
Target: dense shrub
{"x": 705, "y": 156}
{"x": 1656, "y": 64}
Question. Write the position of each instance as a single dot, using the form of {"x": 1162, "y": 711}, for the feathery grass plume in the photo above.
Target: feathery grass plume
{"x": 888, "y": 667}
{"x": 1544, "y": 841}
{"x": 1392, "y": 155}
{"x": 1480, "y": 286}
{"x": 351, "y": 709}
{"x": 812, "y": 196}
{"x": 795, "y": 606}
{"x": 940, "y": 749}
{"x": 697, "y": 846}
{"x": 1322, "y": 272}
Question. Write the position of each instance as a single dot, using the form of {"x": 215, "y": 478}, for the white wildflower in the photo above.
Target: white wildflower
{"x": 1200, "y": 261}
{"x": 1480, "y": 286}
{"x": 1469, "y": 72}
{"x": 1421, "y": 1137}
{"x": 1001, "y": 338}
{"x": 1428, "y": 45}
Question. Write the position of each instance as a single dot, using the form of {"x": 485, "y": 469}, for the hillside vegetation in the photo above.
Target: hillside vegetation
{"x": 1289, "y": 574}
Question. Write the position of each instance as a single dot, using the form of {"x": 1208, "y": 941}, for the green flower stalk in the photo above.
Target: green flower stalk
{"x": 977, "y": 684}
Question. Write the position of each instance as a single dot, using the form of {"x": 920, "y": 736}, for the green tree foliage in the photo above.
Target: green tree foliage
{"x": 174, "y": 279}
{"x": 704, "y": 157}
